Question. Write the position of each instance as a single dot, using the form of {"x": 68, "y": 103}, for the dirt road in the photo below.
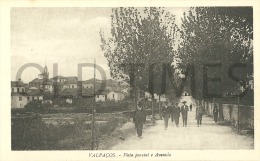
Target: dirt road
{"x": 209, "y": 136}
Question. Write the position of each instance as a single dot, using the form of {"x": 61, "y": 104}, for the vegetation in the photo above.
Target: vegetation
{"x": 221, "y": 36}
{"x": 142, "y": 42}
{"x": 29, "y": 132}
{"x": 78, "y": 106}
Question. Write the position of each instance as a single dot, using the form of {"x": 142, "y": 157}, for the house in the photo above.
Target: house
{"x": 20, "y": 99}
{"x": 115, "y": 95}
{"x": 71, "y": 82}
{"x": 45, "y": 85}
{"x": 101, "y": 96}
{"x": 163, "y": 98}
{"x": 87, "y": 85}
{"x": 101, "y": 84}
{"x": 58, "y": 79}
{"x": 17, "y": 86}
{"x": 185, "y": 93}
{"x": 69, "y": 93}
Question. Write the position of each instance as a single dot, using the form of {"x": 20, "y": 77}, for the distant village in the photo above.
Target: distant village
{"x": 68, "y": 88}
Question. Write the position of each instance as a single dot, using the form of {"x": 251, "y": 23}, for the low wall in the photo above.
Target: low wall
{"x": 230, "y": 114}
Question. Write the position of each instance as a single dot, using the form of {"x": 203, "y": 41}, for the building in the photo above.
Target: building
{"x": 17, "y": 86}
{"x": 185, "y": 93}
{"x": 87, "y": 85}
{"x": 101, "y": 96}
{"x": 58, "y": 79}
{"x": 71, "y": 82}
{"x": 43, "y": 82}
{"x": 69, "y": 93}
{"x": 115, "y": 96}
{"x": 21, "y": 99}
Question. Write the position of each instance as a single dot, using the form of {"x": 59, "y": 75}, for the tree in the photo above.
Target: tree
{"x": 219, "y": 36}
{"x": 142, "y": 40}
{"x": 216, "y": 35}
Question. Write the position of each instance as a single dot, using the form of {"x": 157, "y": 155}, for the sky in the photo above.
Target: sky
{"x": 66, "y": 36}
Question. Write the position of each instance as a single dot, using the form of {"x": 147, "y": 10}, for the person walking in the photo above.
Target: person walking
{"x": 184, "y": 113}
{"x": 215, "y": 113}
{"x": 139, "y": 118}
{"x": 191, "y": 107}
{"x": 166, "y": 114}
{"x": 199, "y": 113}
{"x": 170, "y": 106}
{"x": 176, "y": 114}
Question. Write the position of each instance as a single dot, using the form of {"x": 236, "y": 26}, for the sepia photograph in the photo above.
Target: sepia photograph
{"x": 171, "y": 78}
{"x": 123, "y": 82}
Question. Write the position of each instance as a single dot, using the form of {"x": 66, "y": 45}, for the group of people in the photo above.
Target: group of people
{"x": 174, "y": 111}
{"x": 171, "y": 110}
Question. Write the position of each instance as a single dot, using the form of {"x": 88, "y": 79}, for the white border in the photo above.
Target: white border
{"x": 5, "y": 60}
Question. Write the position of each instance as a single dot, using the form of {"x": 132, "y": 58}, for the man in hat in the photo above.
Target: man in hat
{"x": 176, "y": 114}
{"x": 139, "y": 118}
{"x": 166, "y": 110}
{"x": 184, "y": 113}
{"x": 199, "y": 113}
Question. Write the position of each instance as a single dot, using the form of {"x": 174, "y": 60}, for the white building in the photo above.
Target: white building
{"x": 101, "y": 96}
{"x": 19, "y": 100}
{"x": 185, "y": 93}
{"x": 87, "y": 85}
{"x": 17, "y": 86}
{"x": 116, "y": 96}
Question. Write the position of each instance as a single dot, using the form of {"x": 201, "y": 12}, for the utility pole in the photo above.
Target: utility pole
{"x": 93, "y": 109}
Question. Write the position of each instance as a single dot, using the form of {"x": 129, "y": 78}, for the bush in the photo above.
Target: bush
{"x": 35, "y": 104}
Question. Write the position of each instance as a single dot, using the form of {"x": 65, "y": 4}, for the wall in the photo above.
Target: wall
{"x": 230, "y": 114}
{"x": 246, "y": 119}
{"x": 16, "y": 103}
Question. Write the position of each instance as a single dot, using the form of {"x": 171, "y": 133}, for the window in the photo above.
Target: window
{"x": 22, "y": 89}
{"x": 113, "y": 95}
{"x": 20, "y": 98}
{"x": 12, "y": 89}
{"x": 97, "y": 96}
{"x": 72, "y": 86}
{"x": 28, "y": 98}
{"x": 18, "y": 89}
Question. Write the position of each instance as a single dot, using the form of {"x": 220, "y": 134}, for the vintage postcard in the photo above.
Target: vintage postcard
{"x": 128, "y": 80}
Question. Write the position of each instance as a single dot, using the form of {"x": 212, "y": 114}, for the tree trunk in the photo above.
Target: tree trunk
{"x": 160, "y": 110}
{"x": 153, "y": 118}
